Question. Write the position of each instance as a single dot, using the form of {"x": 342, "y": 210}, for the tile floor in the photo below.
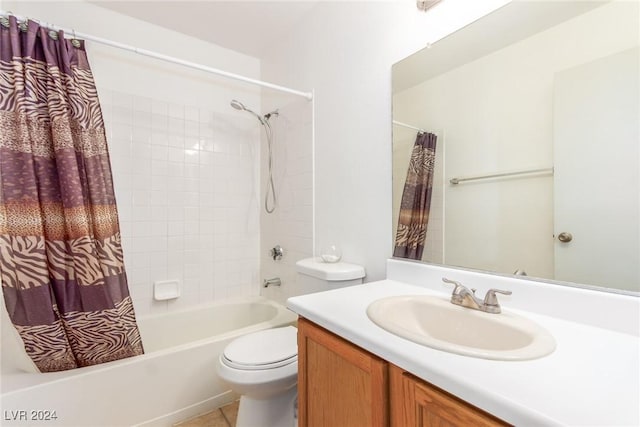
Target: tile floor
{"x": 222, "y": 417}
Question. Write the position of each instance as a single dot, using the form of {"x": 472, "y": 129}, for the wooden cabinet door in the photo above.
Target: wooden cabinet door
{"x": 417, "y": 403}
{"x": 339, "y": 384}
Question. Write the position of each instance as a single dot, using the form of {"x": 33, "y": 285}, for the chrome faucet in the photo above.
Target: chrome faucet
{"x": 467, "y": 298}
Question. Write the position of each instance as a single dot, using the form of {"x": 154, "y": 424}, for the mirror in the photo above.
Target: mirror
{"x": 535, "y": 107}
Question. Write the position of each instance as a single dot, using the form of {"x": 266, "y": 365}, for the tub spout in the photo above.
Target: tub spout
{"x": 275, "y": 281}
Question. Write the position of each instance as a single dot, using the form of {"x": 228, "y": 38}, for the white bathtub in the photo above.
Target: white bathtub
{"x": 175, "y": 379}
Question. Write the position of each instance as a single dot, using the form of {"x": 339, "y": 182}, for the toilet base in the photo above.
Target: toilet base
{"x": 275, "y": 411}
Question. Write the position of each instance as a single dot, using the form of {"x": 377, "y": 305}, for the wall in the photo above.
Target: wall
{"x": 344, "y": 51}
{"x": 184, "y": 162}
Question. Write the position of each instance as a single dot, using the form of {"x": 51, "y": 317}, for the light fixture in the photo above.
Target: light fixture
{"x": 425, "y": 5}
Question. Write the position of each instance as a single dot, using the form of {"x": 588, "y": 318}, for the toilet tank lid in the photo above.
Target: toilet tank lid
{"x": 331, "y": 272}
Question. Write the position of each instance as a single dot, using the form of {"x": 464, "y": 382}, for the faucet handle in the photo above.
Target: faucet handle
{"x": 458, "y": 286}
{"x": 490, "y": 297}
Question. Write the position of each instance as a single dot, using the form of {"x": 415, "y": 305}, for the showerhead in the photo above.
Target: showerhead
{"x": 237, "y": 105}
{"x": 240, "y": 106}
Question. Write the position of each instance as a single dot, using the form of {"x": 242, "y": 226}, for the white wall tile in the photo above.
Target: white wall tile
{"x": 176, "y": 125}
{"x": 141, "y": 134}
{"x": 121, "y": 115}
{"x": 142, "y": 104}
{"x": 192, "y": 156}
{"x": 159, "y": 108}
{"x": 141, "y": 178}
{"x": 176, "y": 140}
{"x": 176, "y": 111}
{"x": 159, "y": 152}
{"x": 159, "y": 122}
{"x": 167, "y": 184}
{"x": 120, "y": 99}
{"x": 159, "y": 167}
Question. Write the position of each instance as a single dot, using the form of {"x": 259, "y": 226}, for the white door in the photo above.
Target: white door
{"x": 596, "y": 178}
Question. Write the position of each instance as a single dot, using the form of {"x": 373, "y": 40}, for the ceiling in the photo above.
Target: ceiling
{"x": 243, "y": 26}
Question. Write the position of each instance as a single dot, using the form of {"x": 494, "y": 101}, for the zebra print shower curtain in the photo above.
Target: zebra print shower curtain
{"x": 416, "y": 199}
{"x": 61, "y": 260}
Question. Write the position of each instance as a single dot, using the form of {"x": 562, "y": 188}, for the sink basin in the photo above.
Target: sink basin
{"x": 437, "y": 323}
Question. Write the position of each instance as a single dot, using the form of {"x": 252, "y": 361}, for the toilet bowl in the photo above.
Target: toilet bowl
{"x": 263, "y": 368}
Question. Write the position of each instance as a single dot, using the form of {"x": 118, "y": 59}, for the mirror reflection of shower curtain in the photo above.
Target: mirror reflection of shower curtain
{"x": 416, "y": 199}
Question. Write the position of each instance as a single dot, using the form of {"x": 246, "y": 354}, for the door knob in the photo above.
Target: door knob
{"x": 565, "y": 237}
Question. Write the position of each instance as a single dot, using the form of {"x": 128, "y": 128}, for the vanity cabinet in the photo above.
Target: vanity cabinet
{"x": 339, "y": 384}
{"x": 342, "y": 385}
{"x": 415, "y": 402}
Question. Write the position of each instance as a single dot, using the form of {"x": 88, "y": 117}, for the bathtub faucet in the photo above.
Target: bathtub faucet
{"x": 275, "y": 281}
{"x": 277, "y": 252}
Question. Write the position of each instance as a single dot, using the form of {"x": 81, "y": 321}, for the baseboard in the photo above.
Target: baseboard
{"x": 190, "y": 411}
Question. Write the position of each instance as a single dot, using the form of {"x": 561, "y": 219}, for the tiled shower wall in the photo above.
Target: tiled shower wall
{"x": 291, "y": 224}
{"x": 187, "y": 186}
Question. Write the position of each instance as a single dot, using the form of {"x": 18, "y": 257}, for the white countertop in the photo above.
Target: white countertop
{"x": 592, "y": 378}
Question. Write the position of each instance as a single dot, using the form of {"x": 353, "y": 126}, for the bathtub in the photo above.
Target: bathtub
{"x": 175, "y": 379}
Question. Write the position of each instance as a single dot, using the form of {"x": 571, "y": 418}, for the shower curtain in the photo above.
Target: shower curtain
{"x": 416, "y": 199}
{"x": 61, "y": 261}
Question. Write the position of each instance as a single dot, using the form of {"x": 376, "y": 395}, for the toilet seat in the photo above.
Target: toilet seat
{"x": 262, "y": 350}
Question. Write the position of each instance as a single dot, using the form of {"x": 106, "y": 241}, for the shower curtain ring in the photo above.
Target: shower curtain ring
{"x": 74, "y": 41}
{"x": 24, "y": 25}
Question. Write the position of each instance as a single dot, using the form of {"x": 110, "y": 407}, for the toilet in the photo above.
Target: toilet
{"x": 263, "y": 366}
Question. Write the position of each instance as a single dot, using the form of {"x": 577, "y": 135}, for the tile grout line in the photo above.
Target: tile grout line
{"x": 225, "y": 417}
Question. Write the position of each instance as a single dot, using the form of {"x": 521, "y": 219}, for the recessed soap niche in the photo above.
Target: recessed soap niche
{"x": 166, "y": 289}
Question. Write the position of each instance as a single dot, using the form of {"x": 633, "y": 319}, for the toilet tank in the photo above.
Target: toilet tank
{"x": 315, "y": 275}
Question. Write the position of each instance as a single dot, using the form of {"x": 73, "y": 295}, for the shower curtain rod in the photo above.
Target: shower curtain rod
{"x": 166, "y": 58}
{"x": 395, "y": 122}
